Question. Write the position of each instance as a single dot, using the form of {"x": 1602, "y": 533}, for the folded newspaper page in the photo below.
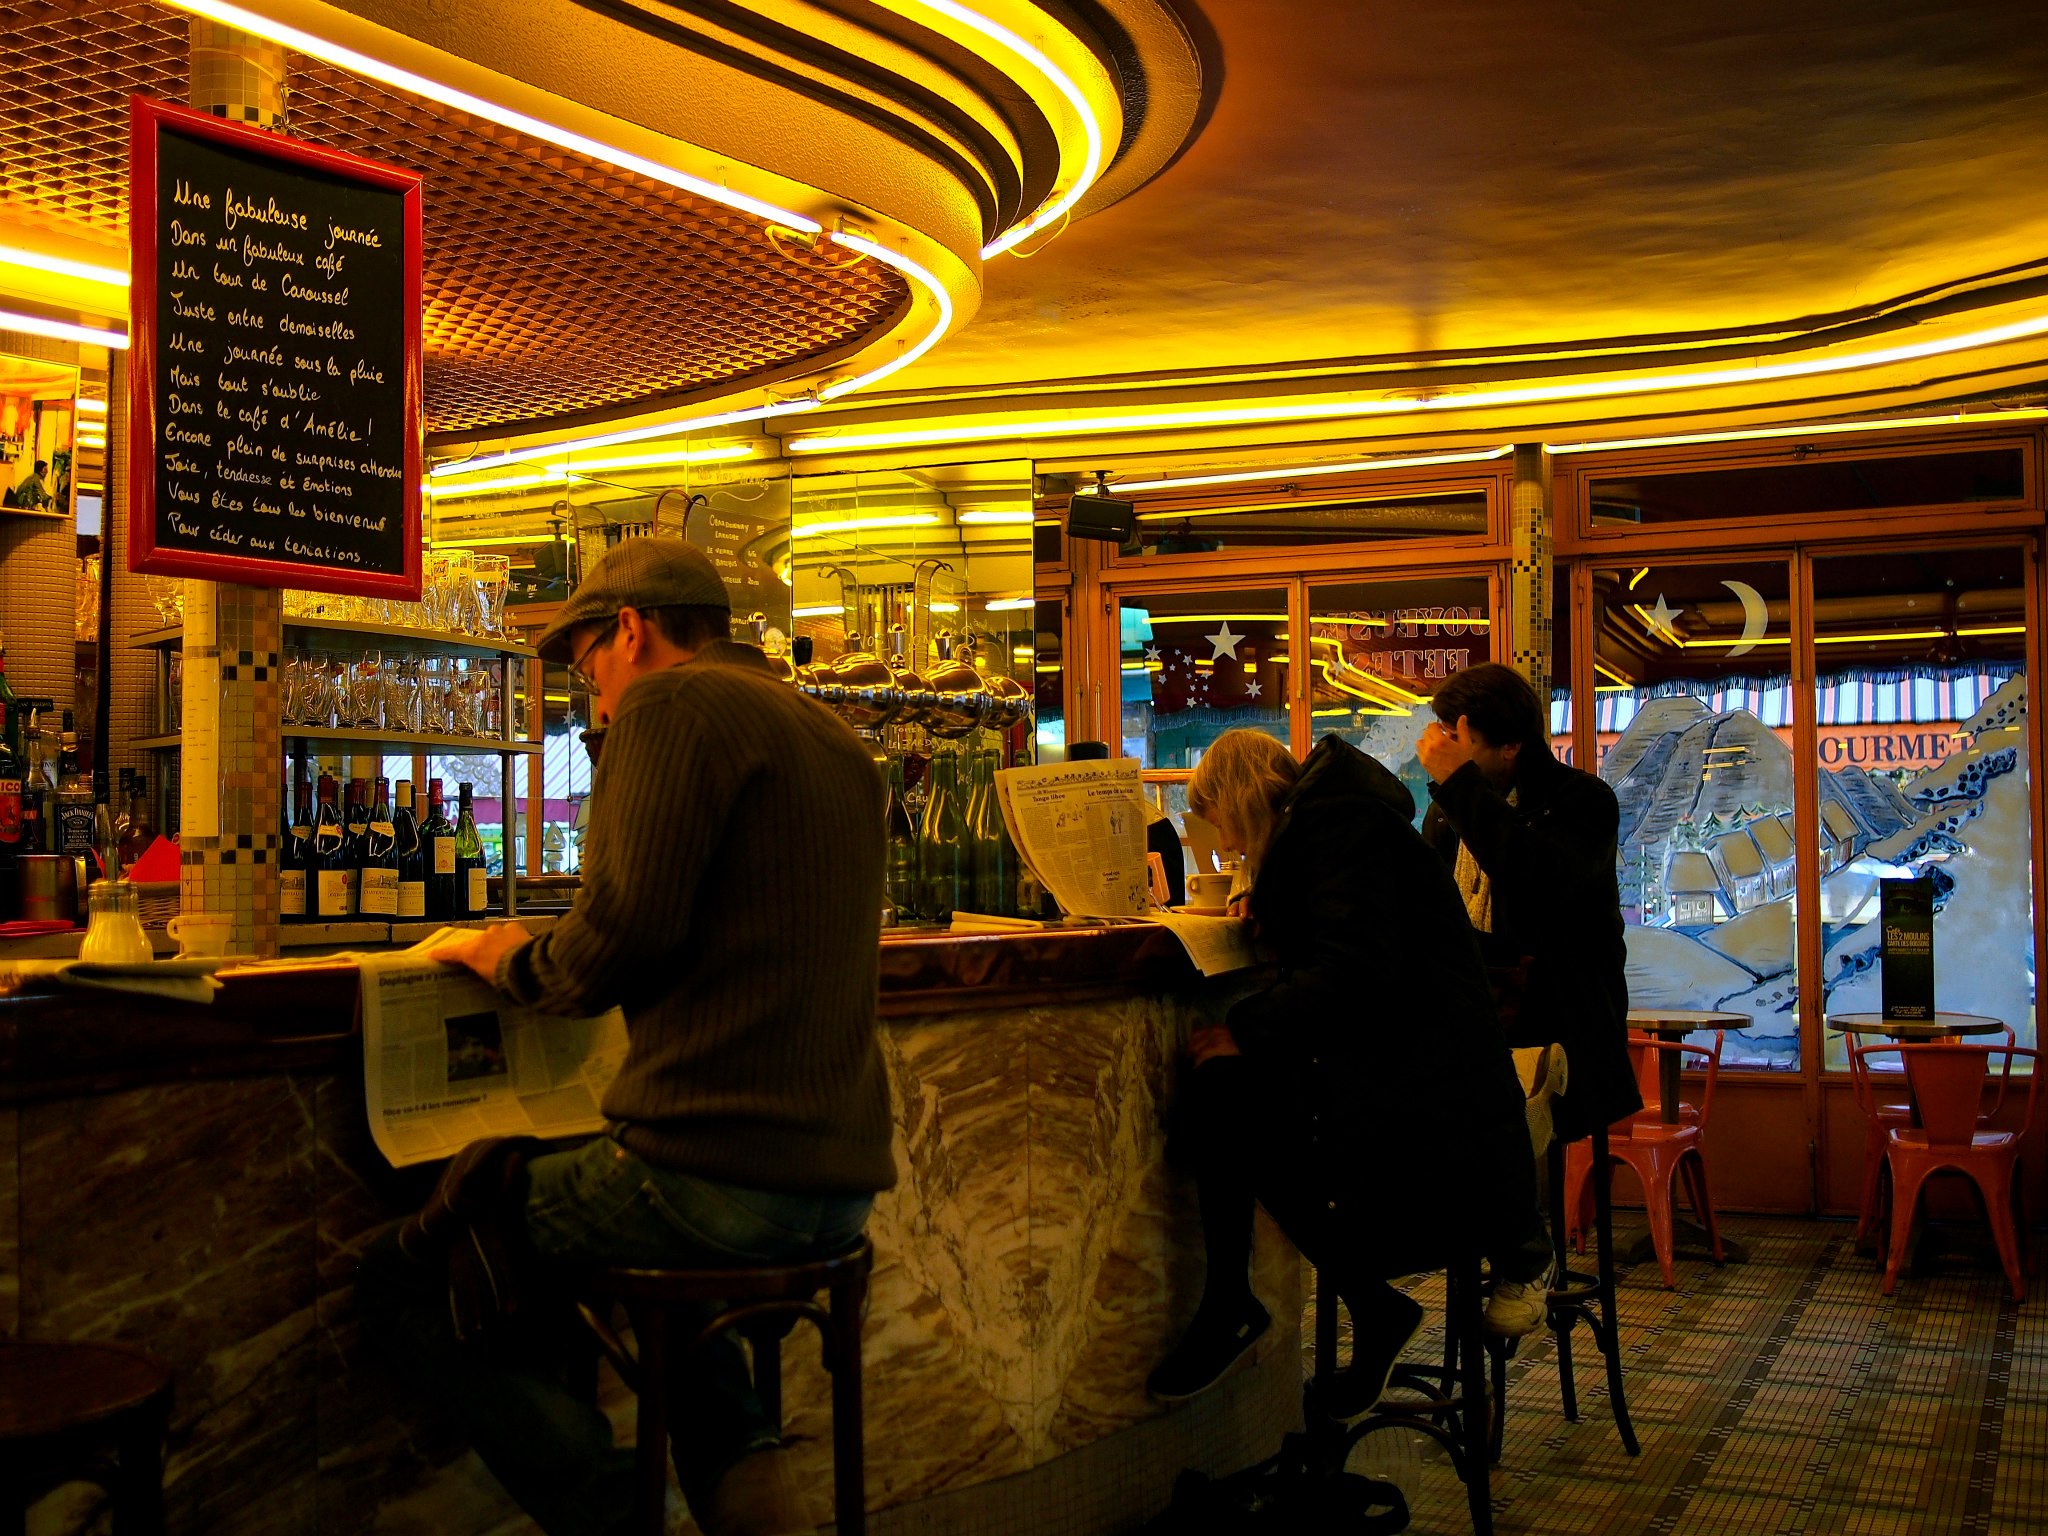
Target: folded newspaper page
{"x": 1081, "y": 829}
{"x": 447, "y": 1059}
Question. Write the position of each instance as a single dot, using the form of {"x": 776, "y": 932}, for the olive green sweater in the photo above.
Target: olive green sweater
{"x": 731, "y": 901}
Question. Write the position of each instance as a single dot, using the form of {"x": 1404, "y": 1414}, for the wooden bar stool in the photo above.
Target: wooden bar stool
{"x": 1447, "y": 1403}
{"x": 762, "y": 1304}
{"x": 83, "y": 1412}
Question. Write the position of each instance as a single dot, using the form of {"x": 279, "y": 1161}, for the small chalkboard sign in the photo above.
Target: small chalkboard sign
{"x": 1906, "y": 953}
{"x": 274, "y": 382}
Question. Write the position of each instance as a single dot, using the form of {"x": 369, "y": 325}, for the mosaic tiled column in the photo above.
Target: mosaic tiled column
{"x": 241, "y": 78}
{"x": 1529, "y": 542}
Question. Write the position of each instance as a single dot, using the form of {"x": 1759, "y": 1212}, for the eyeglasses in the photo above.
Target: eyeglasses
{"x": 580, "y": 679}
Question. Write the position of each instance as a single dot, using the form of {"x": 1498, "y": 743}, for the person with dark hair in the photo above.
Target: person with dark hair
{"x": 1367, "y": 1099}
{"x": 32, "y": 492}
{"x": 1531, "y": 846}
{"x": 749, "y": 1122}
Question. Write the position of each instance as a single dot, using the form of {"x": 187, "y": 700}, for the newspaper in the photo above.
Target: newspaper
{"x": 1080, "y": 827}
{"x": 447, "y": 1059}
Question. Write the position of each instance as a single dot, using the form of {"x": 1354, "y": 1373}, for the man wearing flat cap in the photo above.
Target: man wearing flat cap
{"x": 731, "y": 901}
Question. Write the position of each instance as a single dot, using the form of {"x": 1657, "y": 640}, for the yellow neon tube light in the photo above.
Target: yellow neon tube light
{"x": 91, "y": 407}
{"x": 917, "y": 274}
{"x": 1891, "y": 424}
{"x": 63, "y": 330}
{"x": 1006, "y": 519}
{"x": 477, "y": 106}
{"x": 1321, "y": 410}
{"x": 1062, "y": 202}
{"x": 818, "y": 611}
{"x": 1903, "y": 634}
{"x": 560, "y": 474}
{"x": 1637, "y": 578}
{"x": 1208, "y": 618}
{"x": 677, "y": 427}
{"x": 1413, "y": 461}
{"x": 493, "y": 541}
{"x": 85, "y": 271}
{"x": 862, "y": 524}
{"x": 1010, "y": 604}
{"x": 1605, "y": 670}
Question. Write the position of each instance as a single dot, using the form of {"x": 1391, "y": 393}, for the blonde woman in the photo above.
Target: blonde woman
{"x": 1367, "y": 1098}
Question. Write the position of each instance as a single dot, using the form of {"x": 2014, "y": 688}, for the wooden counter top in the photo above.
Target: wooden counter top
{"x": 60, "y": 1042}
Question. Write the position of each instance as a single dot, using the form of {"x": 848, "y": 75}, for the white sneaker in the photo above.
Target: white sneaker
{"x": 1518, "y": 1308}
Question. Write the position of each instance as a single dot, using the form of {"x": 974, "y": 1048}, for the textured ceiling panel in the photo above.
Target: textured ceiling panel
{"x": 554, "y": 284}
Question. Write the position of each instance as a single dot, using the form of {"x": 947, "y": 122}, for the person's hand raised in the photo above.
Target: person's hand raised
{"x": 1444, "y": 750}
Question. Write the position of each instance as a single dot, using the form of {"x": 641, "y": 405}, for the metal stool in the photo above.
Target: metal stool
{"x": 1448, "y": 1402}
{"x": 66, "y": 1411}
{"x": 762, "y": 1304}
{"x": 1573, "y": 1297}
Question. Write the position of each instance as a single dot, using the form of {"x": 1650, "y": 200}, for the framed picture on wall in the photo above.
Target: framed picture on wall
{"x": 39, "y": 432}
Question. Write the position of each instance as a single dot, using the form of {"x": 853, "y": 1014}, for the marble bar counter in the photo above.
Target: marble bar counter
{"x": 201, "y": 1181}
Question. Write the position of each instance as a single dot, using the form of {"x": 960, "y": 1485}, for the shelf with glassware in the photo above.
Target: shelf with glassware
{"x": 344, "y": 684}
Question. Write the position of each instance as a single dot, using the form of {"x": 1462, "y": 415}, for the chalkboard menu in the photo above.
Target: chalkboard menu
{"x": 275, "y": 359}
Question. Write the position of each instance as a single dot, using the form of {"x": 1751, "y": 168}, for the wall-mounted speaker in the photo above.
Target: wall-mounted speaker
{"x": 1101, "y": 517}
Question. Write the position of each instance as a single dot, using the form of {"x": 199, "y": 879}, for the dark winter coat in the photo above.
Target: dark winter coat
{"x": 1391, "y": 1115}
{"x": 1556, "y": 901}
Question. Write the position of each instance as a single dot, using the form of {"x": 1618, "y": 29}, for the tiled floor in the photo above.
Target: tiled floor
{"x": 1781, "y": 1396}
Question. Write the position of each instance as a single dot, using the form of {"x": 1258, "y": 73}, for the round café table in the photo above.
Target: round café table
{"x": 1943, "y": 1026}
{"x": 1674, "y": 1024}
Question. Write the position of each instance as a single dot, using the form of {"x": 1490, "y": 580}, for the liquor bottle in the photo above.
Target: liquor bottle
{"x": 377, "y": 866}
{"x": 439, "y": 837}
{"x": 995, "y": 857}
{"x": 295, "y": 852}
{"x": 74, "y": 798}
{"x": 944, "y": 872}
{"x": 412, "y": 855}
{"x": 332, "y": 886}
{"x": 10, "y": 808}
{"x": 124, "y": 801}
{"x": 472, "y": 886}
{"x": 899, "y": 872}
{"x": 140, "y": 830}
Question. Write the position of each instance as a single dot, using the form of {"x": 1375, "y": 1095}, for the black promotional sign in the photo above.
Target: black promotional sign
{"x": 1906, "y": 913}
{"x": 275, "y": 359}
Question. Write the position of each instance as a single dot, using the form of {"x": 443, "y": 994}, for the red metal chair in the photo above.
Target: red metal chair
{"x": 1658, "y": 1154}
{"x": 1880, "y": 1119}
{"x": 1946, "y": 1084}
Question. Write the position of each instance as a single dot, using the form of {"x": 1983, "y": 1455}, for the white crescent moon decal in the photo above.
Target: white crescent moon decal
{"x": 1755, "y": 616}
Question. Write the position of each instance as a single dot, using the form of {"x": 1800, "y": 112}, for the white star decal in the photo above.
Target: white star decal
{"x": 1225, "y": 643}
{"x": 1151, "y": 653}
{"x": 1251, "y": 689}
{"x": 1664, "y": 619}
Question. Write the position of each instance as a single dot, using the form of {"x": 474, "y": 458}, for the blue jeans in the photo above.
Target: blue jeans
{"x": 518, "y": 1402}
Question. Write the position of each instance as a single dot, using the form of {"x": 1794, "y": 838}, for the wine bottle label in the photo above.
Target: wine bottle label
{"x": 479, "y": 890}
{"x": 291, "y": 893}
{"x": 380, "y": 892}
{"x": 383, "y": 829}
{"x": 412, "y": 898}
{"x": 301, "y": 833}
{"x": 334, "y": 892}
{"x": 74, "y": 829}
{"x": 444, "y": 855}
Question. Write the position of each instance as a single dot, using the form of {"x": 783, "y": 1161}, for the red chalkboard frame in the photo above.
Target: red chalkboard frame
{"x": 147, "y": 118}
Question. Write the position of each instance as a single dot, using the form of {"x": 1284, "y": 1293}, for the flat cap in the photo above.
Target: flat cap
{"x": 652, "y": 572}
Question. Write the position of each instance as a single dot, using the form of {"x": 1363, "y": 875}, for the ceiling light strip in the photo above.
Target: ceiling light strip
{"x": 62, "y": 330}
{"x": 1294, "y": 472}
{"x": 85, "y": 271}
{"x": 680, "y": 426}
{"x": 477, "y": 106}
{"x": 918, "y": 275}
{"x": 1890, "y": 424}
{"x": 1589, "y": 389}
{"x": 1061, "y": 203}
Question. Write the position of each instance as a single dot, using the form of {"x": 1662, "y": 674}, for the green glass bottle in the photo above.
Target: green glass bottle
{"x": 944, "y": 859}
{"x": 995, "y": 857}
{"x": 900, "y": 869}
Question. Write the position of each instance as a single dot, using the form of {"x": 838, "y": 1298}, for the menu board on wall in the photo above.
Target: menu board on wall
{"x": 274, "y": 382}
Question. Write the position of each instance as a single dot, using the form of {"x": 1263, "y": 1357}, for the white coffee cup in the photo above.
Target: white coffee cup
{"x": 201, "y": 935}
{"x": 1208, "y": 890}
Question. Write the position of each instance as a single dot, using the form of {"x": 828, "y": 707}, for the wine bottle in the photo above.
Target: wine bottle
{"x": 331, "y": 871}
{"x": 377, "y": 855}
{"x": 943, "y": 868}
{"x": 412, "y": 855}
{"x": 899, "y": 872}
{"x": 74, "y": 798}
{"x": 140, "y": 830}
{"x": 995, "y": 856}
{"x": 439, "y": 837}
{"x": 472, "y": 886}
{"x": 15, "y": 717}
{"x": 295, "y": 852}
{"x": 10, "y": 809}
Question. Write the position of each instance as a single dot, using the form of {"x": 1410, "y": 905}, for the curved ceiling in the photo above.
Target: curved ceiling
{"x": 1391, "y": 196}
